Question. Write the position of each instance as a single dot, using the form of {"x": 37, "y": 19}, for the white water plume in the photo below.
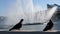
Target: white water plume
{"x": 45, "y": 16}
{"x": 24, "y": 9}
{"x": 49, "y": 13}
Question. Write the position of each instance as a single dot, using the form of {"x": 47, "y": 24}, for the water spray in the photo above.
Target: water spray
{"x": 50, "y": 13}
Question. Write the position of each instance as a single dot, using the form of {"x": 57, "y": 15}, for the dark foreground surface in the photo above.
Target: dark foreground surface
{"x": 35, "y": 32}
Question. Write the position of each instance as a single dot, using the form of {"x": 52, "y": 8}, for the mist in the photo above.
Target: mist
{"x": 24, "y": 9}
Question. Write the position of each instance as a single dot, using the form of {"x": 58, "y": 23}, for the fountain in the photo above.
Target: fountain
{"x": 24, "y": 9}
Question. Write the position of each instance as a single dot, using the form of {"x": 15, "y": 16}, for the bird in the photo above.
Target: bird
{"x": 49, "y": 26}
{"x": 17, "y": 26}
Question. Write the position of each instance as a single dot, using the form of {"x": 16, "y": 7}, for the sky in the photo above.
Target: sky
{"x": 5, "y": 5}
